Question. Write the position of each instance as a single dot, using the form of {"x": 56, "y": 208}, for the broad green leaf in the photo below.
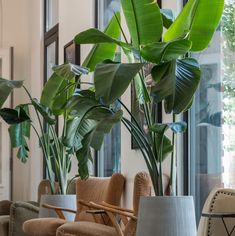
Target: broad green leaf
{"x": 178, "y": 84}
{"x": 105, "y": 121}
{"x": 112, "y": 79}
{"x": 167, "y": 146}
{"x": 188, "y": 75}
{"x": 159, "y": 71}
{"x": 165, "y": 87}
{"x": 12, "y": 116}
{"x": 144, "y": 21}
{"x": 18, "y": 135}
{"x": 141, "y": 90}
{"x": 163, "y": 52}
{"x": 176, "y": 127}
{"x": 65, "y": 92}
{"x": 103, "y": 51}
{"x": 50, "y": 90}
{"x": 167, "y": 17}
{"x": 44, "y": 111}
{"x": 94, "y": 36}
{"x": 56, "y": 85}
{"x": 69, "y": 71}
{"x": 6, "y": 87}
{"x": 199, "y": 18}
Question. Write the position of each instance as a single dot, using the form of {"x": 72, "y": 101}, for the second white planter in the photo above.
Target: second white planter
{"x": 166, "y": 216}
{"x": 65, "y": 201}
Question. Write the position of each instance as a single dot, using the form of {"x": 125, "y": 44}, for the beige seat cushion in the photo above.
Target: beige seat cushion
{"x": 4, "y": 225}
{"x": 84, "y": 228}
{"x": 43, "y": 226}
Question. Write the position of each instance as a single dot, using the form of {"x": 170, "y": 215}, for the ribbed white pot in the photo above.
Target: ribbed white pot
{"x": 65, "y": 201}
{"x": 166, "y": 216}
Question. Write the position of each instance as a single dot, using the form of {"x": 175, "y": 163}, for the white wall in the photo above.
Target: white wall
{"x": 22, "y": 24}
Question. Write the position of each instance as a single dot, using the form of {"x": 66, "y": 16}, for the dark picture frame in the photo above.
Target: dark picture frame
{"x": 72, "y": 53}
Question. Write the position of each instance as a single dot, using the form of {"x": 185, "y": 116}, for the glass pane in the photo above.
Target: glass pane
{"x": 51, "y": 14}
{"x": 109, "y": 155}
{"x": 106, "y": 11}
{"x": 212, "y": 117}
{"x": 51, "y": 58}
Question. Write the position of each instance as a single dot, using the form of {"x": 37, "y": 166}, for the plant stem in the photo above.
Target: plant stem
{"x": 172, "y": 160}
{"x": 31, "y": 99}
{"x": 129, "y": 112}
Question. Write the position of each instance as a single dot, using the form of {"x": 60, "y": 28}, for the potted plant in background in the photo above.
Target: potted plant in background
{"x": 59, "y": 89}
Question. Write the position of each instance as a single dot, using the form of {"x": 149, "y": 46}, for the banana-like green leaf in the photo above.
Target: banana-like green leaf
{"x": 13, "y": 116}
{"x": 93, "y": 36}
{"x": 199, "y": 18}
{"x": 112, "y": 79}
{"x": 105, "y": 121}
{"x": 103, "y": 51}
{"x": 50, "y": 90}
{"x": 167, "y": 146}
{"x": 69, "y": 71}
{"x": 188, "y": 75}
{"x": 6, "y": 87}
{"x": 144, "y": 21}
{"x": 163, "y": 52}
{"x": 178, "y": 84}
{"x": 176, "y": 127}
{"x": 56, "y": 84}
{"x": 165, "y": 87}
{"x": 18, "y": 135}
{"x": 65, "y": 92}
{"x": 44, "y": 111}
{"x": 167, "y": 17}
{"x": 163, "y": 144}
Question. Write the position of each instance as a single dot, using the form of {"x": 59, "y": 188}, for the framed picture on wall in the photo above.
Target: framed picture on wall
{"x": 72, "y": 53}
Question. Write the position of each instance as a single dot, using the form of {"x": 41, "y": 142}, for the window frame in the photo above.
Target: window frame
{"x": 51, "y": 36}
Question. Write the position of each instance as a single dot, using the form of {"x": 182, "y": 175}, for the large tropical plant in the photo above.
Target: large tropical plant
{"x": 57, "y": 92}
{"x": 91, "y": 113}
{"x": 173, "y": 79}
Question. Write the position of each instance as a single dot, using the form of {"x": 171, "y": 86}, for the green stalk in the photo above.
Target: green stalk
{"x": 46, "y": 158}
{"x": 172, "y": 158}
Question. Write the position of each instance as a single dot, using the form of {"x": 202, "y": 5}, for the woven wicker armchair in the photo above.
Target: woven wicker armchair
{"x": 142, "y": 187}
{"x": 93, "y": 189}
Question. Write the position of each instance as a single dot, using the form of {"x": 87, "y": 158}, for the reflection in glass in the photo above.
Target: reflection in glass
{"x": 212, "y": 117}
{"x": 51, "y": 14}
{"x": 109, "y": 155}
{"x": 51, "y": 58}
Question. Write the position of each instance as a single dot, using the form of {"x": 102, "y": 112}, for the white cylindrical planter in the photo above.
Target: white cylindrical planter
{"x": 65, "y": 201}
{"x": 166, "y": 216}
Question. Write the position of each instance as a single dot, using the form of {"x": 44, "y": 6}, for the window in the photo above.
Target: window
{"x": 51, "y": 14}
{"x": 108, "y": 158}
{"x": 50, "y": 40}
{"x": 212, "y": 117}
{"x": 50, "y": 37}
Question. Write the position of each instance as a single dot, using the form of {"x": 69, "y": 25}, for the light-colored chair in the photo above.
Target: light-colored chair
{"x": 93, "y": 189}
{"x": 219, "y": 200}
{"x": 142, "y": 187}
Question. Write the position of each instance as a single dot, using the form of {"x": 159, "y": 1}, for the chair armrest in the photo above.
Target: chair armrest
{"x": 59, "y": 210}
{"x": 83, "y": 203}
{"x": 5, "y": 207}
{"x": 112, "y": 210}
{"x": 117, "y": 208}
